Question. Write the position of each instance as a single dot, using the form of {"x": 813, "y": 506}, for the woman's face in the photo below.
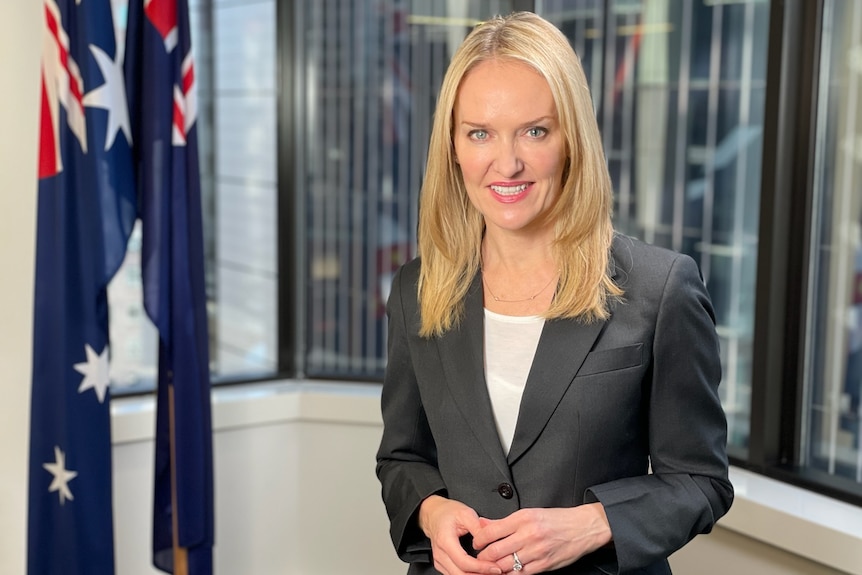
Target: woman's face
{"x": 509, "y": 144}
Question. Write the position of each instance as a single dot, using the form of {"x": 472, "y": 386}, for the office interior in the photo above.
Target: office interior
{"x": 732, "y": 130}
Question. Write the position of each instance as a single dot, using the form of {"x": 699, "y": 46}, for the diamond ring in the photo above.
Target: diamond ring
{"x": 518, "y": 565}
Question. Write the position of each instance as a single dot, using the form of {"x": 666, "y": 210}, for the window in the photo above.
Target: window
{"x": 732, "y": 134}
{"x": 834, "y": 344}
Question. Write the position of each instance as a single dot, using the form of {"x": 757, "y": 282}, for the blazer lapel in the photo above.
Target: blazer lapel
{"x": 463, "y": 358}
{"x": 562, "y": 348}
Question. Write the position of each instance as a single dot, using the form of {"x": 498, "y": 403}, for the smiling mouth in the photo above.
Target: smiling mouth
{"x": 509, "y": 190}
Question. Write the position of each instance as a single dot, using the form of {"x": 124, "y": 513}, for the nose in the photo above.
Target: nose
{"x": 508, "y": 162}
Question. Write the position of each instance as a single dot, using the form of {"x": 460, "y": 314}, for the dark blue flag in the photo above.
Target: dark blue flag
{"x": 160, "y": 83}
{"x": 117, "y": 141}
{"x": 86, "y": 210}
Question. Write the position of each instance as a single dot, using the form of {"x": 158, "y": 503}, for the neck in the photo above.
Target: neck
{"x": 517, "y": 256}
{"x": 518, "y": 275}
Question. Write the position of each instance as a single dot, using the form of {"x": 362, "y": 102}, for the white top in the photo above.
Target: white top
{"x": 510, "y": 345}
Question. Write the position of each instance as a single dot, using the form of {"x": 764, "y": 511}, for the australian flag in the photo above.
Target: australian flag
{"x": 117, "y": 143}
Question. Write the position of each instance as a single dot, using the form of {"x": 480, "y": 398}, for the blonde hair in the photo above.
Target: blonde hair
{"x": 451, "y": 229}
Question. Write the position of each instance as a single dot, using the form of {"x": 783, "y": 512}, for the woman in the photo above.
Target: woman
{"x": 550, "y": 402}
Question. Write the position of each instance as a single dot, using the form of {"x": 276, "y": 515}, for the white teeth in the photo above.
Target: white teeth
{"x": 509, "y": 190}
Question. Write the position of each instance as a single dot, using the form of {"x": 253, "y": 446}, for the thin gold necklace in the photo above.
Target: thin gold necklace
{"x": 531, "y": 298}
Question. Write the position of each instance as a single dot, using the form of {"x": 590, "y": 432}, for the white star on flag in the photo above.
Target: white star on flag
{"x": 95, "y": 371}
{"x": 111, "y": 96}
{"x": 62, "y": 476}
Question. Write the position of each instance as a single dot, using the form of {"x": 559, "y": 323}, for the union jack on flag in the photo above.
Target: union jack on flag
{"x": 118, "y": 143}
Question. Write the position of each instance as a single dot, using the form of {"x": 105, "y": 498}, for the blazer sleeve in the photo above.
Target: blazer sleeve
{"x": 407, "y": 456}
{"x": 688, "y": 489}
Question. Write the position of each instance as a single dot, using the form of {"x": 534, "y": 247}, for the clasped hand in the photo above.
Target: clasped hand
{"x": 544, "y": 539}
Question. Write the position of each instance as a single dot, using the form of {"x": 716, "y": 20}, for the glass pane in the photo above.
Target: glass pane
{"x": 834, "y": 349}
{"x": 679, "y": 90}
{"x": 370, "y": 73}
{"x": 243, "y": 193}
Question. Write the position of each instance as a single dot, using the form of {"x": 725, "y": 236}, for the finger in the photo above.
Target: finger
{"x": 492, "y": 531}
{"x": 501, "y": 551}
{"x": 458, "y": 561}
{"x": 468, "y": 566}
{"x": 471, "y": 523}
{"x": 509, "y": 566}
{"x": 444, "y": 563}
{"x": 481, "y": 567}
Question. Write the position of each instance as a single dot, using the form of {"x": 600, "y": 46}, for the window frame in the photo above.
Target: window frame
{"x": 784, "y": 235}
{"x": 290, "y": 203}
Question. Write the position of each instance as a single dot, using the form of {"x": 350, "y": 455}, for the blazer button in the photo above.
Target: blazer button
{"x": 505, "y": 490}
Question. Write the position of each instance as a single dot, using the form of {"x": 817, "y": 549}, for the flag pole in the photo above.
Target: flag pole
{"x": 181, "y": 560}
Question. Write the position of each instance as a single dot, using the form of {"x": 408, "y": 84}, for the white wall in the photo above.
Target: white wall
{"x": 20, "y": 29}
{"x": 295, "y": 489}
{"x": 294, "y": 479}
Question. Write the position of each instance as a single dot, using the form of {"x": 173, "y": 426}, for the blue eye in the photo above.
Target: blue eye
{"x": 478, "y": 135}
{"x": 536, "y": 132}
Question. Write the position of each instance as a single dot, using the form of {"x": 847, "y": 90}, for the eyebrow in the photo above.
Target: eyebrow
{"x": 539, "y": 120}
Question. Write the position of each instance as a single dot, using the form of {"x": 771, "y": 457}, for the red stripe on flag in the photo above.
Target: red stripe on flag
{"x": 179, "y": 118}
{"x": 52, "y": 23}
{"x": 188, "y": 79}
{"x": 74, "y": 87}
{"x": 47, "y": 142}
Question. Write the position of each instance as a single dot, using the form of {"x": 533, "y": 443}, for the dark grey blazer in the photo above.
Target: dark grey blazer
{"x": 602, "y": 403}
